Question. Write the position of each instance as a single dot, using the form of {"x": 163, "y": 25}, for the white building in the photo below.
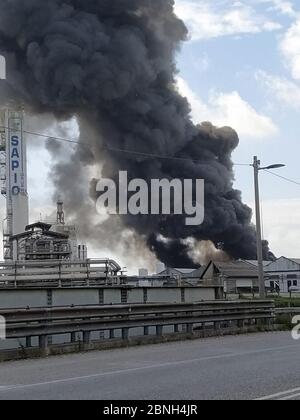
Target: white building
{"x": 283, "y": 274}
{"x": 236, "y": 276}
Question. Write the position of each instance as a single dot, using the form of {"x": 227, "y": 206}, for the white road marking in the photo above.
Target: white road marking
{"x": 283, "y": 394}
{"x": 291, "y": 397}
{"x": 150, "y": 367}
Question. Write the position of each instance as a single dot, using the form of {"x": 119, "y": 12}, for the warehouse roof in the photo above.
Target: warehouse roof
{"x": 182, "y": 271}
{"x": 234, "y": 269}
{"x": 255, "y": 262}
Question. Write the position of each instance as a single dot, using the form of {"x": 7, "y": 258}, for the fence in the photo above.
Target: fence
{"x": 287, "y": 311}
{"x": 47, "y": 322}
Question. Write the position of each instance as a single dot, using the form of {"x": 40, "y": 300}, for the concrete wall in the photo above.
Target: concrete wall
{"x": 22, "y": 298}
{"x": 112, "y": 296}
{"x": 67, "y": 297}
{"x": 137, "y": 295}
{"x": 61, "y": 297}
{"x": 93, "y": 296}
{"x": 197, "y": 294}
{"x": 170, "y": 295}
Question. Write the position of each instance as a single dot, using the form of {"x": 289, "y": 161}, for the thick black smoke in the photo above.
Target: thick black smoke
{"x": 111, "y": 63}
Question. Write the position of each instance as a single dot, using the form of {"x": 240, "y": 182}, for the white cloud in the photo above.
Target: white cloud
{"x": 285, "y": 90}
{"x": 282, "y": 226}
{"x": 201, "y": 63}
{"x": 290, "y": 48}
{"x": 207, "y": 19}
{"x": 229, "y": 109}
{"x": 282, "y": 6}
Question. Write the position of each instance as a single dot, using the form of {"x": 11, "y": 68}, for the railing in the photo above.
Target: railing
{"x": 83, "y": 320}
{"x": 287, "y": 311}
{"x": 285, "y": 316}
{"x": 59, "y": 273}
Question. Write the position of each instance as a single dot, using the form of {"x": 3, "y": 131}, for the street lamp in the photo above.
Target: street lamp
{"x": 257, "y": 168}
{"x": 276, "y": 166}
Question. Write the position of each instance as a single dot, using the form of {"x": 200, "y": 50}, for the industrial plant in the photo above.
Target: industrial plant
{"x": 138, "y": 108}
{"x": 22, "y": 241}
{"x": 39, "y": 254}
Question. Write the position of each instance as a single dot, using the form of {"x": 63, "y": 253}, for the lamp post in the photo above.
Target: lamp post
{"x": 261, "y": 276}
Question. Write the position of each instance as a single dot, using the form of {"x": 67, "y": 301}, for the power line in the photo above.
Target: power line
{"x": 161, "y": 156}
{"x": 282, "y": 177}
{"x": 46, "y": 136}
{"x": 51, "y": 137}
{"x": 132, "y": 152}
{"x": 112, "y": 149}
{"x": 242, "y": 164}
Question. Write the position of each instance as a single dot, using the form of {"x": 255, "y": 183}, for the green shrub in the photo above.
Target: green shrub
{"x": 286, "y": 302}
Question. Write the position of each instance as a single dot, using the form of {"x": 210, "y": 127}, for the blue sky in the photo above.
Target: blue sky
{"x": 241, "y": 67}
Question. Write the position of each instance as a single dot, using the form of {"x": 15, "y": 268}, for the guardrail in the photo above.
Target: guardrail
{"x": 83, "y": 320}
{"x": 59, "y": 273}
{"x": 287, "y": 311}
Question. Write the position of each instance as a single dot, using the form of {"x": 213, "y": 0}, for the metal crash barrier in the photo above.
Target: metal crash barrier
{"x": 82, "y": 321}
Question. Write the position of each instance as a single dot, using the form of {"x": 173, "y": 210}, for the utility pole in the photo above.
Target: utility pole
{"x": 261, "y": 274}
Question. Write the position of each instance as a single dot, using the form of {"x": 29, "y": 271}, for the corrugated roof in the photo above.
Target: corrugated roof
{"x": 236, "y": 269}
{"x": 198, "y": 272}
{"x": 255, "y": 262}
{"x": 296, "y": 260}
{"x": 185, "y": 270}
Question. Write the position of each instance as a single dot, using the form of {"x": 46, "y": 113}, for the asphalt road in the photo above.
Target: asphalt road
{"x": 230, "y": 368}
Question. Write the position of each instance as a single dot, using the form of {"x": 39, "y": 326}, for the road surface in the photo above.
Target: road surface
{"x": 240, "y": 367}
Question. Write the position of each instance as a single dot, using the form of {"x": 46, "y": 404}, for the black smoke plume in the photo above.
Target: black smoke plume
{"x": 111, "y": 63}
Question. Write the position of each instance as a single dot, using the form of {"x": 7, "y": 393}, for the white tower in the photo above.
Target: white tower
{"x": 13, "y": 176}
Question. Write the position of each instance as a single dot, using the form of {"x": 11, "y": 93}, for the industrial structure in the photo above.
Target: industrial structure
{"x": 23, "y": 241}
{"x": 40, "y": 255}
{"x": 43, "y": 254}
{"x": 13, "y": 176}
{"x": 44, "y": 241}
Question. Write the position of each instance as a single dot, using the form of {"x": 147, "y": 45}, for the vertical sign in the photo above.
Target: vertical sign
{"x": 3, "y": 146}
{"x": 2, "y": 129}
{"x": 2, "y": 328}
{"x": 16, "y": 155}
